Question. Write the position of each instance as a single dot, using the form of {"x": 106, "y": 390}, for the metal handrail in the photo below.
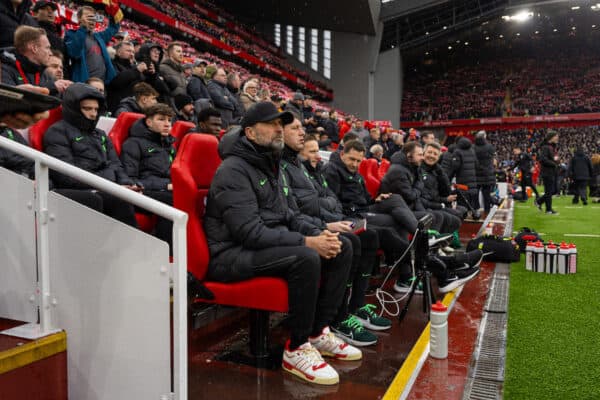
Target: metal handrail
{"x": 43, "y": 163}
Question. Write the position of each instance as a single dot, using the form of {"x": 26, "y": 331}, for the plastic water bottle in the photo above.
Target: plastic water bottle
{"x": 573, "y": 259}
{"x": 529, "y": 256}
{"x": 438, "y": 331}
{"x": 539, "y": 257}
{"x": 551, "y": 255}
{"x": 563, "y": 258}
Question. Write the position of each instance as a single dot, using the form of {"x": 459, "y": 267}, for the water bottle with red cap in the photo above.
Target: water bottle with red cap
{"x": 572, "y": 258}
{"x": 563, "y": 258}
{"x": 551, "y": 258}
{"x": 438, "y": 341}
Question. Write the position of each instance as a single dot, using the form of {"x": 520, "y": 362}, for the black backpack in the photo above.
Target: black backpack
{"x": 526, "y": 235}
{"x": 501, "y": 249}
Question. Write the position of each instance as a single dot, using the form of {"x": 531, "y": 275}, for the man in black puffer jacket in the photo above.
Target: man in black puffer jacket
{"x": 127, "y": 76}
{"x": 550, "y": 162}
{"x": 463, "y": 166}
{"x": 151, "y": 54}
{"x": 76, "y": 140}
{"x": 147, "y": 156}
{"x": 581, "y": 171}
{"x": 251, "y": 232}
{"x": 524, "y": 163}
{"x": 486, "y": 174}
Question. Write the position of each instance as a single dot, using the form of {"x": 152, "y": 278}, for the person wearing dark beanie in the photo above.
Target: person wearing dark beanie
{"x": 185, "y": 108}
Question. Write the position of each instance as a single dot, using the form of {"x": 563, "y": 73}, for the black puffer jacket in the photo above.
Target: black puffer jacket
{"x": 147, "y": 156}
{"x": 548, "y": 163}
{"x": 463, "y": 164}
{"x": 485, "y": 152}
{"x": 10, "y": 20}
{"x": 11, "y": 75}
{"x": 349, "y": 187}
{"x": 403, "y": 178}
{"x": 446, "y": 160}
{"x": 128, "y": 104}
{"x": 223, "y": 101}
{"x": 155, "y": 80}
{"x": 122, "y": 84}
{"x": 580, "y": 167}
{"x": 436, "y": 186}
{"x": 524, "y": 162}
{"x": 76, "y": 140}
{"x": 13, "y": 161}
{"x": 331, "y": 207}
{"x": 247, "y": 211}
{"x": 305, "y": 192}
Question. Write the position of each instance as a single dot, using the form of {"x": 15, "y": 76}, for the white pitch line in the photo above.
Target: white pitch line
{"x": 581, "y": 235}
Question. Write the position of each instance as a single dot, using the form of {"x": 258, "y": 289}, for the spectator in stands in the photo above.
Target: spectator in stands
{"x": 233, "y": 85}
{"x": 251, "y": 232}
{"x": 76, "y": 140}
{"x": 185, "y": 108}
{"x": 427, "y": 137}
{"x": 13, "y": 13}
{"x": 54, "y": 67}
{"x": 196, "y": 86}
{"x": 98, "y": 84}
{"x": 330, "y": 124}
{"x": 209, "y": 121}
{"x": 249, "y": 95}
{"x": 44, "y": 13}
{"x": 187, "y": 71}
{"x": 373, "y": 139}
{"x": 147, "y": 156}
{"x": 327, "y": 211}
{"x": 127, "y": 75}
{"x": 221, "y": 97}
{"x": 143, "y": 97}
{"x": 549, "y": 161}
{"x": 171, "y": 68}
{"x": 87, "y": 48}
{"x": 486, "y": 173}
{"x": 580, "y": 171}
{"x": 152, "y": 54}
{"x": 395, "y": 144}
{"x": 376, "y": 152}
{"x": 463, "y": 166}
{"x": 25, "y": 66}
{"x": 359, "y": 130}
{"x": 524, "y": 163}
{"x": 296, "y": 105}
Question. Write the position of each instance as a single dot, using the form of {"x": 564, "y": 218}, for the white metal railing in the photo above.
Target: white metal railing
{"x": 43, "y": 163}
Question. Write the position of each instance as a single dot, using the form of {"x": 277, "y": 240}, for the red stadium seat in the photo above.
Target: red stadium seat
{"x": 37, "y": 131}
{"x": 369, "y": 169}
{"x": 192, "y": 172}
{"x": 383, "y": 168}
{"x": 120, "y": 130}
{"x": 179, "y": 129}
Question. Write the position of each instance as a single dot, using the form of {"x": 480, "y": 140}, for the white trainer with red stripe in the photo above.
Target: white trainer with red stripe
{"x": 329, "y": 345}
{"x": 306, "y": 363}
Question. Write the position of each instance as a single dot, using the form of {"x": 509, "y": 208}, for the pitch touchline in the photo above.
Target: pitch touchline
{"x": 580, "y": 235}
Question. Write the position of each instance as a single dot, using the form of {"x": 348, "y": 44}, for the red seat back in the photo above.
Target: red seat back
{"x": 369, "y": 168}
{"x": 383, "y": 168}
{"x": 192, "y": 172}
{"x": 120, "y": 130}
{"x": 37, "y": 131}
{"x": 179, "y": 129}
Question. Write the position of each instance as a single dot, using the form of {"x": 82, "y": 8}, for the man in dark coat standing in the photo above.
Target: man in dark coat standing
{"x": 127, "y": 76}
{"x": 486, "y": 175}
{"x": 221, "y": 97}
{"x": 13, "y": 13}
{"x": 44, "y": 13}
{"x": 524, "y": 163}
{"x": 550, "y": 162}
{"x": 463, "y": 166}
{"x": 581, "y": 171}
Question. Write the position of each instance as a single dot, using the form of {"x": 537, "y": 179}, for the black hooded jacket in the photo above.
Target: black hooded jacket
{"x": 329, "y": 210}
{"x": 436, "y": 186}
{"x": 463, "y": 164}
{"x": 524, "y": 162}
{"x": 147, "y": 156}
{"x": 13, "y": 161}
{"x": 403, "y": 178}
{"x": 247, "y": 211}
{"x": 11, "y": 75}
{"x": 10, "y": 20}
{"x": 484, "y": 151}
{"x": 76, "y": 140}
{"x": 548, "y": 163}
{"x": 305, "y": 192}
{"x": 580, "y": 167}
{"x": 349, "y": 187}
{"x": 155, "y": 80}
{"x": 128, "y": 104}
{"x": 122, "y": 84}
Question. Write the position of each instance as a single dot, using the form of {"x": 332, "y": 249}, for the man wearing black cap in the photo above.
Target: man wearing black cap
{"x": 44, "y": 13}
{"x": 296, "y": 105}
{"x": 549, "y": 161}
{"x": 252, "y": 232}
{"x": 196, "y": 86}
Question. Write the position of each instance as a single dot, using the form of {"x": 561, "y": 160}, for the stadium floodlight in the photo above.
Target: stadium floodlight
{"x": 521, "y": 16}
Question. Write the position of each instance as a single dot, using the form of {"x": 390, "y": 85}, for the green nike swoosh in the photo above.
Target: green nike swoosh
{"x": 79, "y": 138}
{"x": 151, "y": 150}
{"x": 262, "y": 182}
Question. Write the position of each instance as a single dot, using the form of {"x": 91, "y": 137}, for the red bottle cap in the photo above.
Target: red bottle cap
{"x": 552, "y": 246}
{"x": 564, "y": 246}
{"x": 572, "y": 246}
{"x": 439, "y": 307}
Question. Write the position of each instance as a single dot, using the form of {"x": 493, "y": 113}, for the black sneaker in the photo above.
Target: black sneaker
{"x": 404, "y": 286}
{"x": 537, "y": 204}
{"x": 463, "y": 261}
{"x": 552, "y": 212}
{"x": 454, "y": 279}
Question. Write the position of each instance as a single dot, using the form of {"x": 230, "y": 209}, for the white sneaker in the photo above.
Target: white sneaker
{"x": 330, "y": 345}
{"x": 306, "y": 363}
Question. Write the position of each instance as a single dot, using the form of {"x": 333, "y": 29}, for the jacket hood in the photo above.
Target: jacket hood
{"x": 7, "y": 55}
{"x": 130, "y": 101}
{"x": 228, "y": 141}
{"x": 71, "y": 109}
{"x": 143, "y": 53}
{"x": 399, "y": 158}
{"x": 262, "y": 158}
{"x": 6, "y": 8}
{"x": 464, "y": 143}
